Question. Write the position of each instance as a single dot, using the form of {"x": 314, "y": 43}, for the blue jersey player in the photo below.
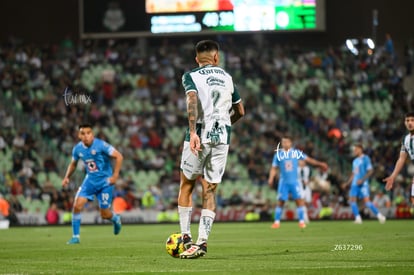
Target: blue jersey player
{"x": 99, "y": 180}
{"x": 361, "y": 172}
{"x": 286, "y": 162}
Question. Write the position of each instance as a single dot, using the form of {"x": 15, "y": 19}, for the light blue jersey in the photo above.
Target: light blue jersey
{"x": 360, "y": 166}
{"x": 97, "y": 160}
{"x": 288, "y": 163}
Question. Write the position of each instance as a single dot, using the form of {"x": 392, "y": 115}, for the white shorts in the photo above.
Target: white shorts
{"x": 412, "y": 190}
{"x": 210, "y": 162}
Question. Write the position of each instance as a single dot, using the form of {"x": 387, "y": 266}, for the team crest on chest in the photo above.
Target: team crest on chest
{"x": 93, "y": 152}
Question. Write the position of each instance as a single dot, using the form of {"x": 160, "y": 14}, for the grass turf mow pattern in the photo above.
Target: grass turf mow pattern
{"x": 324, "y": 247}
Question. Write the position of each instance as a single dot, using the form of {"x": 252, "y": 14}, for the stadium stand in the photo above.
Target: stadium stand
{"x": 328, "y": 99}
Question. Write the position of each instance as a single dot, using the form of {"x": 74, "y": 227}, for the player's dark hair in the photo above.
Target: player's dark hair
{"x": 206, "y": 46}
{"x": 287, "y": 136}
{"x": 85, "y": 125}
{"x": 409, "y": 114}
{"x": 359, "y": 145}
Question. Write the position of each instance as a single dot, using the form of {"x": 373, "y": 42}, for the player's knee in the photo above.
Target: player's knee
{"x": 77, "y": 208}
{"x": 106, "y": 214}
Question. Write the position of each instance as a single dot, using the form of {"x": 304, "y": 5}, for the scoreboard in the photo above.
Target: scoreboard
{"x": 129, "y": 18}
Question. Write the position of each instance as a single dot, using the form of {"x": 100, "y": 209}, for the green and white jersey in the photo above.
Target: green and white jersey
{"x": 216, "y": 94}
{"x": 407, "y": 146}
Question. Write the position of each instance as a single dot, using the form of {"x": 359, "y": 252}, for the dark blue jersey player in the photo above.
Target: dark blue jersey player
{"x": 99, "y": 181}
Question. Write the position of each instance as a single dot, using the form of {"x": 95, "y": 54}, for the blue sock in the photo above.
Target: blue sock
{"x": 355, "y": 209}
{"x": 371, "y": 206}
{"x": 301, "y": 213}
{"x": 114, "y": 217}
{"x": 278, "y": 213}
{"x": 76, "y": 221}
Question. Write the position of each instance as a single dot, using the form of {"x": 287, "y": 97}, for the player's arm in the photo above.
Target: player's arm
{"x": 237, "y": 112}
{"x": 317, "y": 163}
{"x": 117, "y": 156}
{"x": 351, "y": 177}
{"x": 272, "y": 175}
{"x": 192, "y": 120}
{"x": 389, "y": 181}
{"x": 69, "y": 171}
{"x": 365, "y": 177}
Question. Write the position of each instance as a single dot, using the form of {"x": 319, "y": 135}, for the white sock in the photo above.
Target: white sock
{"x": 206, "y": 222}
{"x": 305, "y": 214}
{"x": 185, "y": 219}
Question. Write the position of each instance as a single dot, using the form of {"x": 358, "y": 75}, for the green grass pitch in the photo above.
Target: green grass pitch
{"x": 324, "y": 247}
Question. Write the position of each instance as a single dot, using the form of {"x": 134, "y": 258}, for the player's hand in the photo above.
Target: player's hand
{"x": 359, "y": 182}
{"x": 389, "y": 182}
{"x": 324, "y": 166}
{"x": 195, "y": 145}
{"x": 65, "y": 182}
{"x": 112, "y": 180}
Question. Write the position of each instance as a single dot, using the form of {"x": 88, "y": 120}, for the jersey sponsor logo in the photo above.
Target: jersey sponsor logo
{"x": 214, "y": 81}
{"x": 91, "y": 164}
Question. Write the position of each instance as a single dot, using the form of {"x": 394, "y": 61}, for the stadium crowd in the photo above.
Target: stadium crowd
{"x": 134, "y": 98}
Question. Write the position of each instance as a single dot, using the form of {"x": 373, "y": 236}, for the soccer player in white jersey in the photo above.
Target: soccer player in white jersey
{"x": 304, "y": 176}
{"x": 213, "y": 105}
{"x": 407, "y": 150}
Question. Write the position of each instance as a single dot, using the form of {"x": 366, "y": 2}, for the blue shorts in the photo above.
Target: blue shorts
{"x": 294, "y": 189}
{"x": 102, "y": 189}
{"x": 359, "y": 191}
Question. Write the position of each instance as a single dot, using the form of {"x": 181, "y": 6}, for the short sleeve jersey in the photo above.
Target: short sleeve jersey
{"x": 360, "y": 166}
{"x": 97, "y": 158}
{"x": 216, "y": 94}
{"x": 288, "y": 163}
{"x": 407, "y": 146}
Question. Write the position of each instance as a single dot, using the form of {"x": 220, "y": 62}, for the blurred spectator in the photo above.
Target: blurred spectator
{"x": 52, "y": 214}
{"x": 3, "y": 144}
{"x": 120, "y": 205}
{"x": 389, "y": 45}
{"x": 49, "y": 164}
{"x": 235, "y": 198}
{"x": 4, "y": 207}
{"x": 381, "y": 200}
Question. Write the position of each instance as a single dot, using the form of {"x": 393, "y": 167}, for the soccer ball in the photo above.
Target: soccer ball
{"x": 174, "y": 245}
